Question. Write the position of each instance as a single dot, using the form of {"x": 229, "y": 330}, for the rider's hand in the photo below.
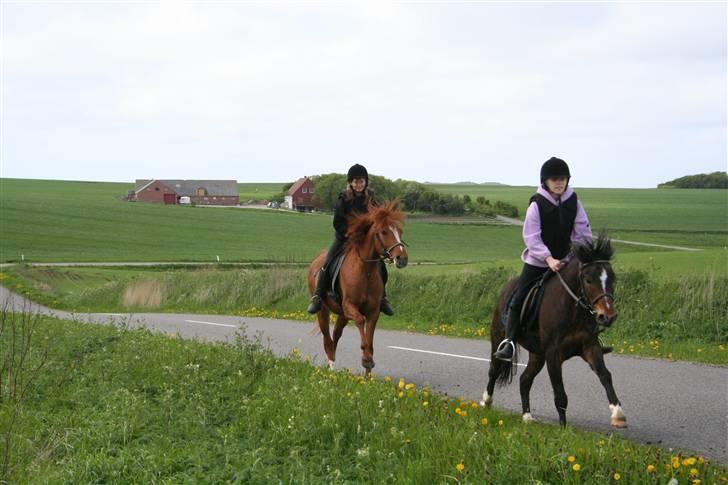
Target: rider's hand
{"x": 554, "y": 264}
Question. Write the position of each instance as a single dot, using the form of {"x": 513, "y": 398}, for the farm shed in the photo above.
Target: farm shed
{"x": 200, "y": 192}
{"x": 300, "y": 196}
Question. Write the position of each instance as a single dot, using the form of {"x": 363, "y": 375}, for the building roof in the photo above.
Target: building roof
{"x": 298, "y": 184}
{"x": 225, "y": 188}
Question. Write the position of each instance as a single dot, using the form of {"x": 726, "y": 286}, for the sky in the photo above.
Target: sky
{"x": 630, "y": 94}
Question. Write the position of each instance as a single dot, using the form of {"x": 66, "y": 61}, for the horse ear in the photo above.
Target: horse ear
{"x": 603, "y": 247}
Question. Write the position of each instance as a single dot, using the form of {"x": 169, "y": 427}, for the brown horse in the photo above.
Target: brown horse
{"x": 576, "y": 306}
{"x": 372, "y": 237}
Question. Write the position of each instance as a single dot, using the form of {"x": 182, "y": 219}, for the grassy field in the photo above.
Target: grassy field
{"x": 258, "y": 191}
{"x": 100, "y": 404}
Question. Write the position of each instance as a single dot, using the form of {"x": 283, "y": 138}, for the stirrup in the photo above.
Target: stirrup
{"x": 502, "y": 348}
{"x": 315, "y": 304}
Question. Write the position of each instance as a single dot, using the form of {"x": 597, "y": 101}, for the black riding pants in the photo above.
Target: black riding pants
{"x": 529, "y": 274}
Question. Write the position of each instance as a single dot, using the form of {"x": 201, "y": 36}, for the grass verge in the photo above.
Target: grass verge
{"x": 120, "y": 405}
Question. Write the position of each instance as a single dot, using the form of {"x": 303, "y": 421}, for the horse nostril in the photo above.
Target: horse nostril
{"x": 602, "y": 318}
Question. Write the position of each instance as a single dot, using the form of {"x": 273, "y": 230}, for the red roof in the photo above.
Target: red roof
{"x": 299, "y": 183}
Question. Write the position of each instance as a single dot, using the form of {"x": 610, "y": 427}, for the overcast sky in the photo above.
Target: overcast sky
{"x": 630, "y": 94}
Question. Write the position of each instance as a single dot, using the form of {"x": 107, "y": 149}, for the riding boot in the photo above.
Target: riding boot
{"x": 384, "y": 306}
{"x": 507, "y": 347}
{"x": 318, "y": 295}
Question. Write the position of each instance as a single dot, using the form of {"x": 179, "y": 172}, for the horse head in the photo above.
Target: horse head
{"x": 380, "y": 230}
{"x": 597, "y": 279}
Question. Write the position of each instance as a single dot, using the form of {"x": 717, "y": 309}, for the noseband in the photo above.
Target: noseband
{"x": 581, "y": 300}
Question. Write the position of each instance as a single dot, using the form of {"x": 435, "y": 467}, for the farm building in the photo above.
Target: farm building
{"x": 199, "y": 192}
{"x": 300, "y": 196}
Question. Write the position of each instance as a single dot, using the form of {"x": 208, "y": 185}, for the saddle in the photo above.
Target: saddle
{"x": 531, "y": 304}
{"x": 334, "y": 268}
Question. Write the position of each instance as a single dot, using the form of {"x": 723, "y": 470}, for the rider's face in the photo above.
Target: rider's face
{"x": 556, "y": 185}
{"x": 358, "y": 184}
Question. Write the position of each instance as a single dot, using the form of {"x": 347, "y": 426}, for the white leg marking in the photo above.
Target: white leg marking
{"x": 331, "y": 364}
{"x": 617, "y": 412}
{"x": 487, "y": 399}
{"x": 527, "y": 418}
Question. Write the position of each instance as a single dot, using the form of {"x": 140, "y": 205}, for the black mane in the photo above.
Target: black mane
{"x": 600, "y": 250}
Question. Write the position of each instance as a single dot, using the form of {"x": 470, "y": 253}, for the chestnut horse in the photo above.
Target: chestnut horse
{"x": 577, "y": 305}
{"x": 372, "y": 237}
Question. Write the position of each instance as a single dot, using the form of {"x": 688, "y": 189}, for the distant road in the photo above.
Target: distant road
{"x": 677, "y": 405}
{"x": 518, "y": 222}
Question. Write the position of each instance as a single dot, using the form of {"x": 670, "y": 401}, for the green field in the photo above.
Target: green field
{"x": 102, "y": 404}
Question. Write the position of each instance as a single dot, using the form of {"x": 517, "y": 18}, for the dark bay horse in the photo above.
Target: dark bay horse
{"x": 372, "y": 237}
{"x": 577, "y": 304}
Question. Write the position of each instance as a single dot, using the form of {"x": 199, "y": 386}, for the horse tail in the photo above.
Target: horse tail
{"x": 504, "y": 371}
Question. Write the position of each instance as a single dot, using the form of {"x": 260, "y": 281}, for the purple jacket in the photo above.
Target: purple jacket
{"x": 536, "y": 251}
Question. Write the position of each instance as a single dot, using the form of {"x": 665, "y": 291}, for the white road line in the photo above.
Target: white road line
{"x": 211, "y": 323}
{"x": 445, "y": 354}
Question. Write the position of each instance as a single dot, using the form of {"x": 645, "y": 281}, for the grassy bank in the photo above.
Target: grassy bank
{"x": 117, "y": 405}
{"x": 678, "y": 318}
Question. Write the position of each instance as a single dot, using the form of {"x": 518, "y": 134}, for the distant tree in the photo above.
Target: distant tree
{"x": 327, "y": 188}
{"x": 714, "y": 180}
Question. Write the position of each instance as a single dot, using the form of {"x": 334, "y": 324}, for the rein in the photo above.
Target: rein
{"x": 581, "y": 300}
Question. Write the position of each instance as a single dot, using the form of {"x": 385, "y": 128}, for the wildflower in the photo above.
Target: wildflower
{"x": 458, "y": 411}
{"x": 460, "y": 467}
{"x": 409, "y": 386}
{"x": 675, "y": 462}
{"x": 617, "y": 476}
{"x": 425, "y": 404}
{"x": 401, "y": 383}
{"x": 571, "y": 459}
{"x": 691, "y": 461}
{"x": 693, "y": 472}
{"x": 401, "y": 394}
{"x": 697, "y": 482}
{"x": 387, "y": 379}
{"x": 484, "y": 421}
{"x": 576, "y": 467}
{"x": 650, "y": 468}
{"x": 500, "y": 422}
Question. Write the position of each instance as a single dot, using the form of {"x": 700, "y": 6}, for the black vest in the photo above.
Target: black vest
{"x": 557, "y": 223}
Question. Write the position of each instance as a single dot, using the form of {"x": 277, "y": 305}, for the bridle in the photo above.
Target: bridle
{"x": 386, "y": 254}
{"x": 581, "y": 300}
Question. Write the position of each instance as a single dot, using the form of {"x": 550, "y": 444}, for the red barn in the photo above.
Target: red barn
{"x": 301, "y": 196}
{"x": 199, "y": 192}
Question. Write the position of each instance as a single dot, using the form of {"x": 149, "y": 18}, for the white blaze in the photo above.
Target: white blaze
{"x": 603, "y": 278}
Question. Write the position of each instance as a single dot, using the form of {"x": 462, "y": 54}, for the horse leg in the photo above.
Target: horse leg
{"x": 535, "y": 364}
{"x": 593, "y": 356}
{"x": 329, "y": 346}
{"x": 338, "y": 330}
{"x": 368, "y": 345}
{"x": 352, "y": 313}
{"x": 553, "y": 364}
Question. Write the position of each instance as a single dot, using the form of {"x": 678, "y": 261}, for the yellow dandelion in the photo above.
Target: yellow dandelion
{"x": 571, "y": 459}
{"x": 484, "y": 421}
{"x": 460, "y": 467}
{"x": 401, "y": 394}
{"x": 693, "y": 472}
{"x": 387, "y": 379}
{"x": 425, "y": 404}
{"x": 701, "y": 460}
{"x": 650, "y": 468}
{"x": 458, "y": 410}
{"x": 474, "y": 405}
{"x": 409, "y": 386}
{"x": 697, "y": 482}
{"x": 675, "y": 462}
{"x": 691, "y": 461}
{"x": 500, "y": 422}
{"x": 407, "y": 441}
{"x": 576, "y": 467}
{"x": 401, "y": 383}
{"x": 617, "y": 476}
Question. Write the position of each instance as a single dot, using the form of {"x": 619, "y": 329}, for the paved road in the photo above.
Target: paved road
{"x": 674, "y": 404}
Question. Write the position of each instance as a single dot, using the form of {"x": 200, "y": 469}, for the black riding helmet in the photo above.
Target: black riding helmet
{"x": 555, "y": 167}
{"x": 357, "y": 171}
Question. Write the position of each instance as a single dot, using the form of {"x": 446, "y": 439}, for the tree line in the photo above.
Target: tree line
{"x": 715, "y": 180}
{"x": 413, "y": 197}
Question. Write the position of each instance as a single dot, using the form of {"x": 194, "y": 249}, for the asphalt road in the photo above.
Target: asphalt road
{"x": 677, "y": 405}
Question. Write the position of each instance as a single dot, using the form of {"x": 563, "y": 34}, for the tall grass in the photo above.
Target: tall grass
{"x": 128, "y": 406}
{"x": 461, "y": 302}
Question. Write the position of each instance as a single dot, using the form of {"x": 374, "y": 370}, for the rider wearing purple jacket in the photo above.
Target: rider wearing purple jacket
{"x": 554, "y": 220}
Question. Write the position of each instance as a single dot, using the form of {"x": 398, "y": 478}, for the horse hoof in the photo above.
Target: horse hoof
{"x": 331, "y": 364}
{"x": 367, "y": 364}
{"x": 619, "y": 423}
{"x": 487, "y": 400}
{"x": 527, "y": 418}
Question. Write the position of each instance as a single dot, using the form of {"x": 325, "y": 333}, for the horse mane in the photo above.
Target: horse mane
{"x": 600, "y": 250}
{"x": 388, "y": 214}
